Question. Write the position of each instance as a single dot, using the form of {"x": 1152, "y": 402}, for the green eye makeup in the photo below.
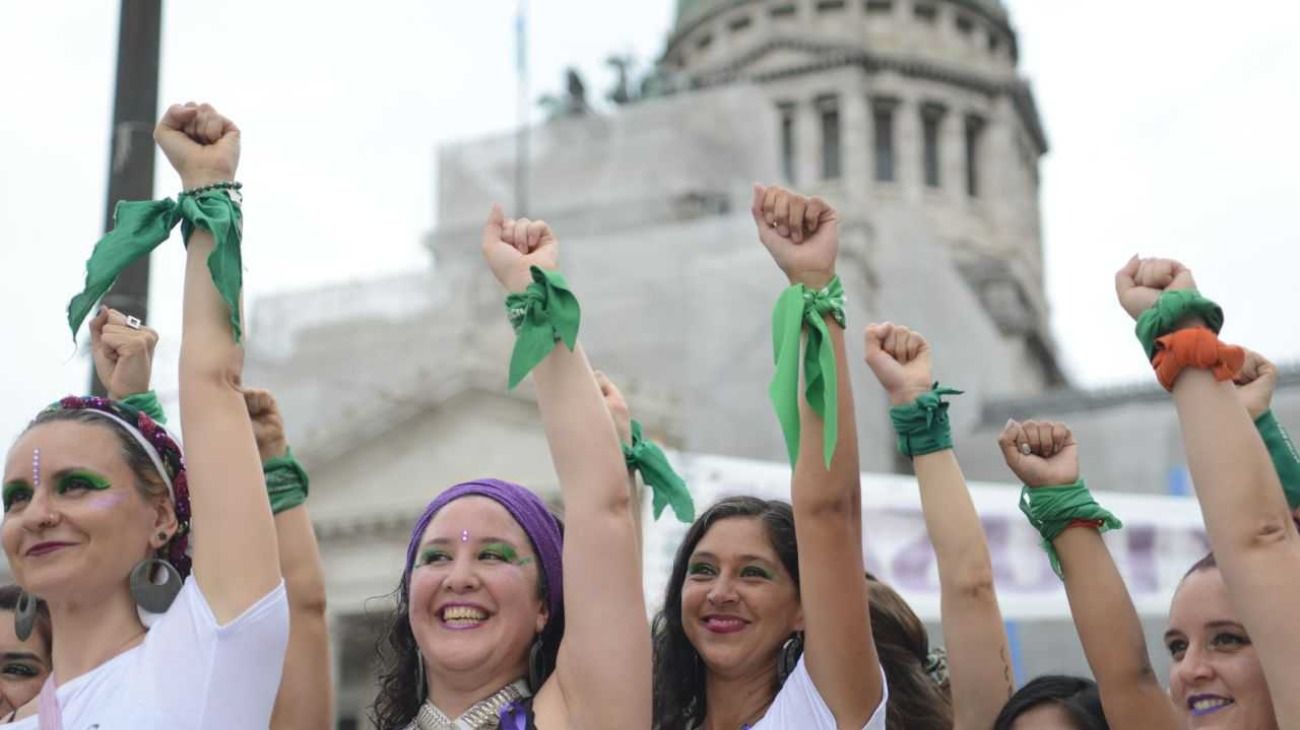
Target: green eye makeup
{"x": 699, "y": 569}
{"x": 755, "y": 571}
{"x": 81, "y": 479}
{"x": 431, "y": 555}
{"x": 507, "y": 553}
{"x": 15, "y": 491}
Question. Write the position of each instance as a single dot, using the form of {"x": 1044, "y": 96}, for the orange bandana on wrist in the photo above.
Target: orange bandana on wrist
{"x": 1195, "y": 347}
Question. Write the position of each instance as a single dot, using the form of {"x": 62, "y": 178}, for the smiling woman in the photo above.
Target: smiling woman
{"x": 97, "y": 498}
{"x": 487, "y": 632}
{"x": 1215, "y": 678}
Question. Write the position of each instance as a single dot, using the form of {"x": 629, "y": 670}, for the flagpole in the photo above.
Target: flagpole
{"x": 521, "y": 135}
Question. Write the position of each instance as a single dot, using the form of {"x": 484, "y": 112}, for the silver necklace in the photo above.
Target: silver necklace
{"x": 482, "y": 715}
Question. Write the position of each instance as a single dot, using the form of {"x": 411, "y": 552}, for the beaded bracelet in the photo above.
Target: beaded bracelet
{"x": 231, "y": 187}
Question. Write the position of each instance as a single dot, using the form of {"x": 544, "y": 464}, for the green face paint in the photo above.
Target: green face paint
{"x": 431, "y": 555}
{"x": 504, "y": 552}
{"x": 700, "y": 569}
{"x": 81, "y": 479}
{"x": 14, "y": 492}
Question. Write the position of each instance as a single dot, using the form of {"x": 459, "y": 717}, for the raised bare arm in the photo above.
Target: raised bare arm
{"x": 979, "y": 665}
{"x": 802, "y": 235}
{"x": 603, "y": 669}
{"x": 236, "y": 561}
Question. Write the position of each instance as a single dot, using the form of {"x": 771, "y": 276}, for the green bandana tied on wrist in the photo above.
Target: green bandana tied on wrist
{"x": 797, "y": 306}
{"x": 1286, "y": 460}
{"x": 543, "y": 314}
{"x": 669, "y": 488}
{"x": 286, "y": 482}
{"x": 140, "y": 226}
{"x": 147, "y": 403}
{"x": 922, "y": 425}
{"x": 1051, "y": 510}
{"x": 1172, "y": 307}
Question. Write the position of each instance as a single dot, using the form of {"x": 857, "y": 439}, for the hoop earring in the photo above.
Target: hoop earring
{"x": 150, "y": 595}
{"x": 537, "y": 665}
{"x": 25, "y": 615}
{"x": 788, "y": 658}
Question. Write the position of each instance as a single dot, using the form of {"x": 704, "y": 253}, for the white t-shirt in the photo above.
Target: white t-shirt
{"x": 799, "y": 706}
{"x": 188, "y": 673}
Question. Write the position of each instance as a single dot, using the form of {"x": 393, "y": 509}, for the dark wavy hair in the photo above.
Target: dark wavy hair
{"x": 679, "y": 694}
{"x": 42, "y": 627}
{"x": 398, "y": 657}
{"x": 916, "y": 701}
{"x": 1076, "y": 696}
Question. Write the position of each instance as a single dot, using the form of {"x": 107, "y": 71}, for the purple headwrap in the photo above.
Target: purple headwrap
{"x": 527, "y": 509}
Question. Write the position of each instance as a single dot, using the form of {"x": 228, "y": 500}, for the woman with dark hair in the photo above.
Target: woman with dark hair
{"x": 489, "y": 630}
{"x": 24, "y": 660}
{"x": 757, "y": 630}
{"x": 918, "y": 676}
{"x": 1054, "y": 702}
{"x": 97, "y": 497}
{"x": 978, "y": 666}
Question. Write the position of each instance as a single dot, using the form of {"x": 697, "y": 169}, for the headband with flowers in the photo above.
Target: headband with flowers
{"x": 162, "y": 450}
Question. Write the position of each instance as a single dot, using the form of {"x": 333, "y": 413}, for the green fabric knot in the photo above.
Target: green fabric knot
{"x": 668, "y": 487}
{"x": 796, "y": 307}
{"x": 1282, "y": 450}
{"x": 140, "y": 226}
{"x": 147, "y": 403}
{"x": 1172, "y": 307}
{"x": 544, "y": 313}
{"x": 286, "y": 482}
{"x": 922, "y": 425}
{"x": 1051, "y": 510}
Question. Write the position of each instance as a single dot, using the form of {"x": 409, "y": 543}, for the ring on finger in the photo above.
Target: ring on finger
{"x": 1026, "y": 449}
{"x": 133, "y": 322}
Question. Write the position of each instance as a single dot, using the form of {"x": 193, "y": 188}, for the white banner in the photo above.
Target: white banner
{"x": 1161, "y": 538}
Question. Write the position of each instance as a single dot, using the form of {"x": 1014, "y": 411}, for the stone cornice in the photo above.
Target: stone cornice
{"x": 996, "y": 411}
{"x": 826, "y": 56}
{"x": 999, "y": 20}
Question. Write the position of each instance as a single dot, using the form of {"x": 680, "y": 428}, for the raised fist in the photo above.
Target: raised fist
{"x": 802, "y": 234}
{"x": 617, "y": 407}
{"x": 1141, "y": 281}
{"x": 268, "y": 424}
{"x": 900, "y": 359}
{"x": 512, "y": 246}
{"x": 122, "y": 348}
{"x": 201, "y": 145}
{"x": 1255, "y": 384}
{"x": 1040, "y": 453}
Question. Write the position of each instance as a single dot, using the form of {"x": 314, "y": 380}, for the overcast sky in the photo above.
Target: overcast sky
{"x": 1173, "y": 131}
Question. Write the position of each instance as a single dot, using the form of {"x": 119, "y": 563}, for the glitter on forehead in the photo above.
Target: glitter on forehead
{"x": 36, "y": 467}
{"x": 464, "y": 535}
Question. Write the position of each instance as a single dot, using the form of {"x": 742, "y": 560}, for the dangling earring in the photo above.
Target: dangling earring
{"x": 537, "y": 669}
{"x": 788, "y": 658}
{"x": 150, "y": 595}
{"x": 25, "y": 615}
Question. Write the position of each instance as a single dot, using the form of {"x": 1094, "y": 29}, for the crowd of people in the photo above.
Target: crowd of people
{"x": 161, "y": 589}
